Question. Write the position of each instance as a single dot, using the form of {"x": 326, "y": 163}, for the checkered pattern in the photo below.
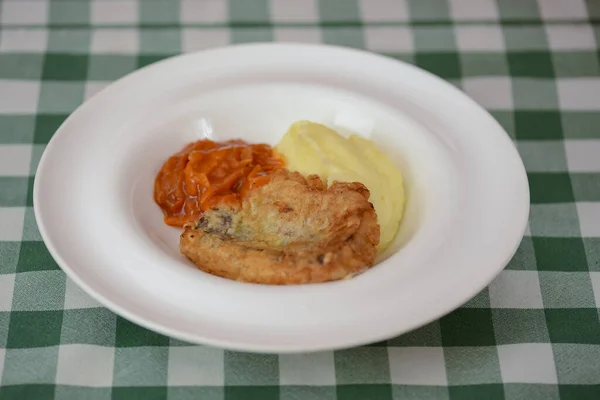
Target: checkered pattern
{"x": 533, "y": 334}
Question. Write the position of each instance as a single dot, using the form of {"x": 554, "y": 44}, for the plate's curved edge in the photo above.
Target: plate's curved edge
{"x": 238, "y": 346}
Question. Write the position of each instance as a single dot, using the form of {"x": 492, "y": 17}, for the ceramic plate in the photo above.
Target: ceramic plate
{"x": 466, "y": 210}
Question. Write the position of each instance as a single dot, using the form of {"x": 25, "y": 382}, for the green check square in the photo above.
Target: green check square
{"x": 362, "y": 365}
{"x": 141, "y": 366}
{"x": 368, "y": 391}
{"x": 566, "y": 289}
{"x": 16, "y": 129}
{"x": 31, "y": 232}
{"x": 252, "y": 392}
{"x": 60, "y": 97}
{"x": 109, "y": 67}
{"x": 535, "y": 94}
{"x": 414, "y": 392}
{"x": 4, "y": 321}
{"x": 580, "y": 124}
{"x": 573, "y": 325}
{"x": 576, "y": 64}
{"x": 468, "y": 327}
{"x": 554, "y": 220}
{"x": 444, "y": 65}
{"x": 483, "y": 64}
{"x": 251, "y": 34}
{"x": 550, "y": 187}
{"x": 534, "y": 64}
{"x": 145, "y": 60}
{"x": 487, "y": 392}
{"x": 307, "y": 392}
{"x": 89, "y": 326}
{"x": 507, "y": 120}
{"x": 472, "y": 365}
{"x": 139, "y": 393}
{"x": 34, "y": 256}
{"x": 559, "y": 254}
{"x": 428, "y": 335}
{"x": 69, "y": 12}
{"x": 538, "y": 125}
{"x": 429, "y": 10}
{"x": 256, "y": 11}
{"x": 339, "y": 11}
{"x": 69, "y": 41}
{"x": 343, "y": 36}
{"x": 132, "y": 335}
{"x": 159, "y": 12}
{"x": 525, "y": 38}
{"x": 586, "y": 186}
{"x": 264, "y": 371}
{"x": 518, "y": 10}
{"x": 579, "y": 392}
{"x": 592, "y": 253}
{"x": 34, "y": 329}
{"x": 46, "y": 125}
{"x": 9, "y": 257}
{"x": 21, "y": 66}
{"x": 27, "y": 391}
{"x": 524, "y": 257}
{"x": 87, "y": 393}
{"x": 434, "y": 38}
{"x": 39, "y": 291}
{"x": 195, "y": 392}
{"x": 65, "y": 67}
{"x": 522, "y": 391}
{"x": 160, "y": 41}
{"x": 13, "y": 191}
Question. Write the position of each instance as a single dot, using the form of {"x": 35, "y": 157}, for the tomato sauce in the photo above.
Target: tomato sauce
{"x": 205, "y": 174}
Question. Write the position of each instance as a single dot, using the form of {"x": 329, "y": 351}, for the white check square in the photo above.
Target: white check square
{"x": 11, "y": 223}
{"x": 589, "y": 218}
{"x": 527, "y": 363}
{"x": 77, "y": 298}
{"x": 462, "y": 10}
{"x": 570, "y": 37}
{"x": 200, "y": 39}
{"x": 562, "y": 9}
{"x": 115, "y": 41}
{"x": 85, "y": 365}
{"x": 294, "y": 11}
{"x": 196, "y": 366}
{"x": 384, "y": 10}
{"x": 18, "y": 97}
{"x": 579, "y": 94}
{"x": 114, "y": 12}
{"x": 7, "y": 286}
{"x": 583, "y": 155}
{"x": 15, "y": 159}
{"x": 194, "y": 11}
{"x": 307, "y": 369}
{"x": 24, "y": 40}
{"x": 23, "y": 12}
{"x": 516, "y": 289}
{"x": 389, "y": 39}
{"x": 417, "y": 366}
{"x": 595, "y": 278}
{"x": 479, "y": 38}
{"x": 490, "y": 92}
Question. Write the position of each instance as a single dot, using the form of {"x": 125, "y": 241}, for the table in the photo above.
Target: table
{"x": 534, "y": 333}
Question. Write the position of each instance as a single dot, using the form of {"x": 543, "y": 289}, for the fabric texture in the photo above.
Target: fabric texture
{"x": 534, "y": 333}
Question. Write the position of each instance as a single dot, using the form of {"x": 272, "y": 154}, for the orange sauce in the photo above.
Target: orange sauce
{"x": 205, "y": 174}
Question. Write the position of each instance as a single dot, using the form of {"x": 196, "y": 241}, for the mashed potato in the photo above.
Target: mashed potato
{"x": 311, "y": 148}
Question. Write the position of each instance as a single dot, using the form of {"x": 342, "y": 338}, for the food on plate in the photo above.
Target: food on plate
{"x": 291, "y": 230}
{"x": 311, "y": 148}
{"x": 206, "y": 173}
{"x": 318, "y": 207}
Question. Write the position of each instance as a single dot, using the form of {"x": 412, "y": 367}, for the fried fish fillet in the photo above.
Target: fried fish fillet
{"x": 292, "y": 230}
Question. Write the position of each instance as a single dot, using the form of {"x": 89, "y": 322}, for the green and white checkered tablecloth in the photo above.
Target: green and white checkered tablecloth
{"x": 533, "y": 334}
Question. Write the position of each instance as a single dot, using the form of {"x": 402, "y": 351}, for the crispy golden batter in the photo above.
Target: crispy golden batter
{"x": 292, "y": 230}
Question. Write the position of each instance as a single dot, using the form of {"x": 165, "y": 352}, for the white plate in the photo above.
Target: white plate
{"x": 467, "y": 208}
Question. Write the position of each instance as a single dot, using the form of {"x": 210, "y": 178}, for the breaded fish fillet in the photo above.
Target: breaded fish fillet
{"x": 292, "y": 230}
